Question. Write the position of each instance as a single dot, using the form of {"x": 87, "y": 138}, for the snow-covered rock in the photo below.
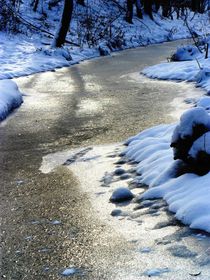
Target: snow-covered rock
{"x": 62, "y": 52}
{"x": 10, "y": 97}
{"x": 184, "y": 53}
{"x": 104, "y": 49}
{"x": 190, "y": 119}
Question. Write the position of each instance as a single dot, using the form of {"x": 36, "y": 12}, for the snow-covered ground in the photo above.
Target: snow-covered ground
{"x": 191, "y": 65}
{"x": 21, "y": 55}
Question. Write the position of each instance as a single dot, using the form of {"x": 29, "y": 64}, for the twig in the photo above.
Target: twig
{"x": 198, "y": 64}
{"x": 193, "y": 37}
{"x": 24, "y": 21}
{"x": 207, "y": 51}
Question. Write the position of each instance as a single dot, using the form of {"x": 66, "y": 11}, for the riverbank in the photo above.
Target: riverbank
{"x": 22, "y": 55}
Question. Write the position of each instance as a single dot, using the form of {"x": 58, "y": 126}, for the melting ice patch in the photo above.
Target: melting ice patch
{"x": 156, "y": 271}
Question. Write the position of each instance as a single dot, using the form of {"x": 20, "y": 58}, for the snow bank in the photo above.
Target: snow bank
{"x": 190, "y": 65}
{"x": 10, "y": 97}
{"x": 187, "y": 195}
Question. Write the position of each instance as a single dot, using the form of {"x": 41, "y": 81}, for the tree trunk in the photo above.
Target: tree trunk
{"x": 81, "y": 2}
{"x": 138, "y": 9}
{"x": 36, "y": 3}
{"x": 157, "y": 5}
{"x": 63, "y": 28}
{"x": 129, "y": 13}
{"x": 194, "y": 5}
{"x": 166, "y": 8}
{"x": 148, "y": 8}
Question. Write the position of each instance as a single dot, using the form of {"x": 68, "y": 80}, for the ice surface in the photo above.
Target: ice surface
{"x": 156, "y": 271}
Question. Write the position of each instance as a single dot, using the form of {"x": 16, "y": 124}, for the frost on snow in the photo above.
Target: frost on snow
{"x": 188, "y": 194}
{"x": 10, "y": 97}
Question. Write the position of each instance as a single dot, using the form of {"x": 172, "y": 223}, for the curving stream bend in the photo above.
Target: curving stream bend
{"x": 47, "y": 221}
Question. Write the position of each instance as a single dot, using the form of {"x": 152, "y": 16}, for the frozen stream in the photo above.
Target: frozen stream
{"x": 49, "y": 217}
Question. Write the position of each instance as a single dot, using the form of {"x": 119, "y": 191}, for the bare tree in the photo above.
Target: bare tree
{"x": 60, "y": 36}
{"x": 81, "y": 2}
{"x": 148, "y": 8}
{"x": 129, "y": 12}
{"x": 35, "y": 5}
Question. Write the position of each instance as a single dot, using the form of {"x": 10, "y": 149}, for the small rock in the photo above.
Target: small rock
{"x": 121, "y": 161}
{"x": 122, "y": 154}
{"x": 163, "y": 241}
{"x": 146, "y": 250}
{"x": 147, "y": 203}
{"x": 119, "y": 171}
{"x": 19, "y": 182}
{"x": 125, "y": 176}
{"x": 158, "y": 205}
{"x": 46, "y": 269}
{"x": 28, "y": 238}
{"x": 155, "y": 214}
{"x": 116, "y": 212}
{"x": 121, "y": 194}
{"x": 132, "y": 170}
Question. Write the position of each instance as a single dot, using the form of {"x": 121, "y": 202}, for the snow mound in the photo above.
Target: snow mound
{"x": 187, "y": 195}
{"x": 186, "y": 53}
{"x": 62, "y": 52}
{"x": 188, "y": 120}
{"x": 189, "y": 64}
{"x": 10, "y": 97}
{"x": 204, "y": 102}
